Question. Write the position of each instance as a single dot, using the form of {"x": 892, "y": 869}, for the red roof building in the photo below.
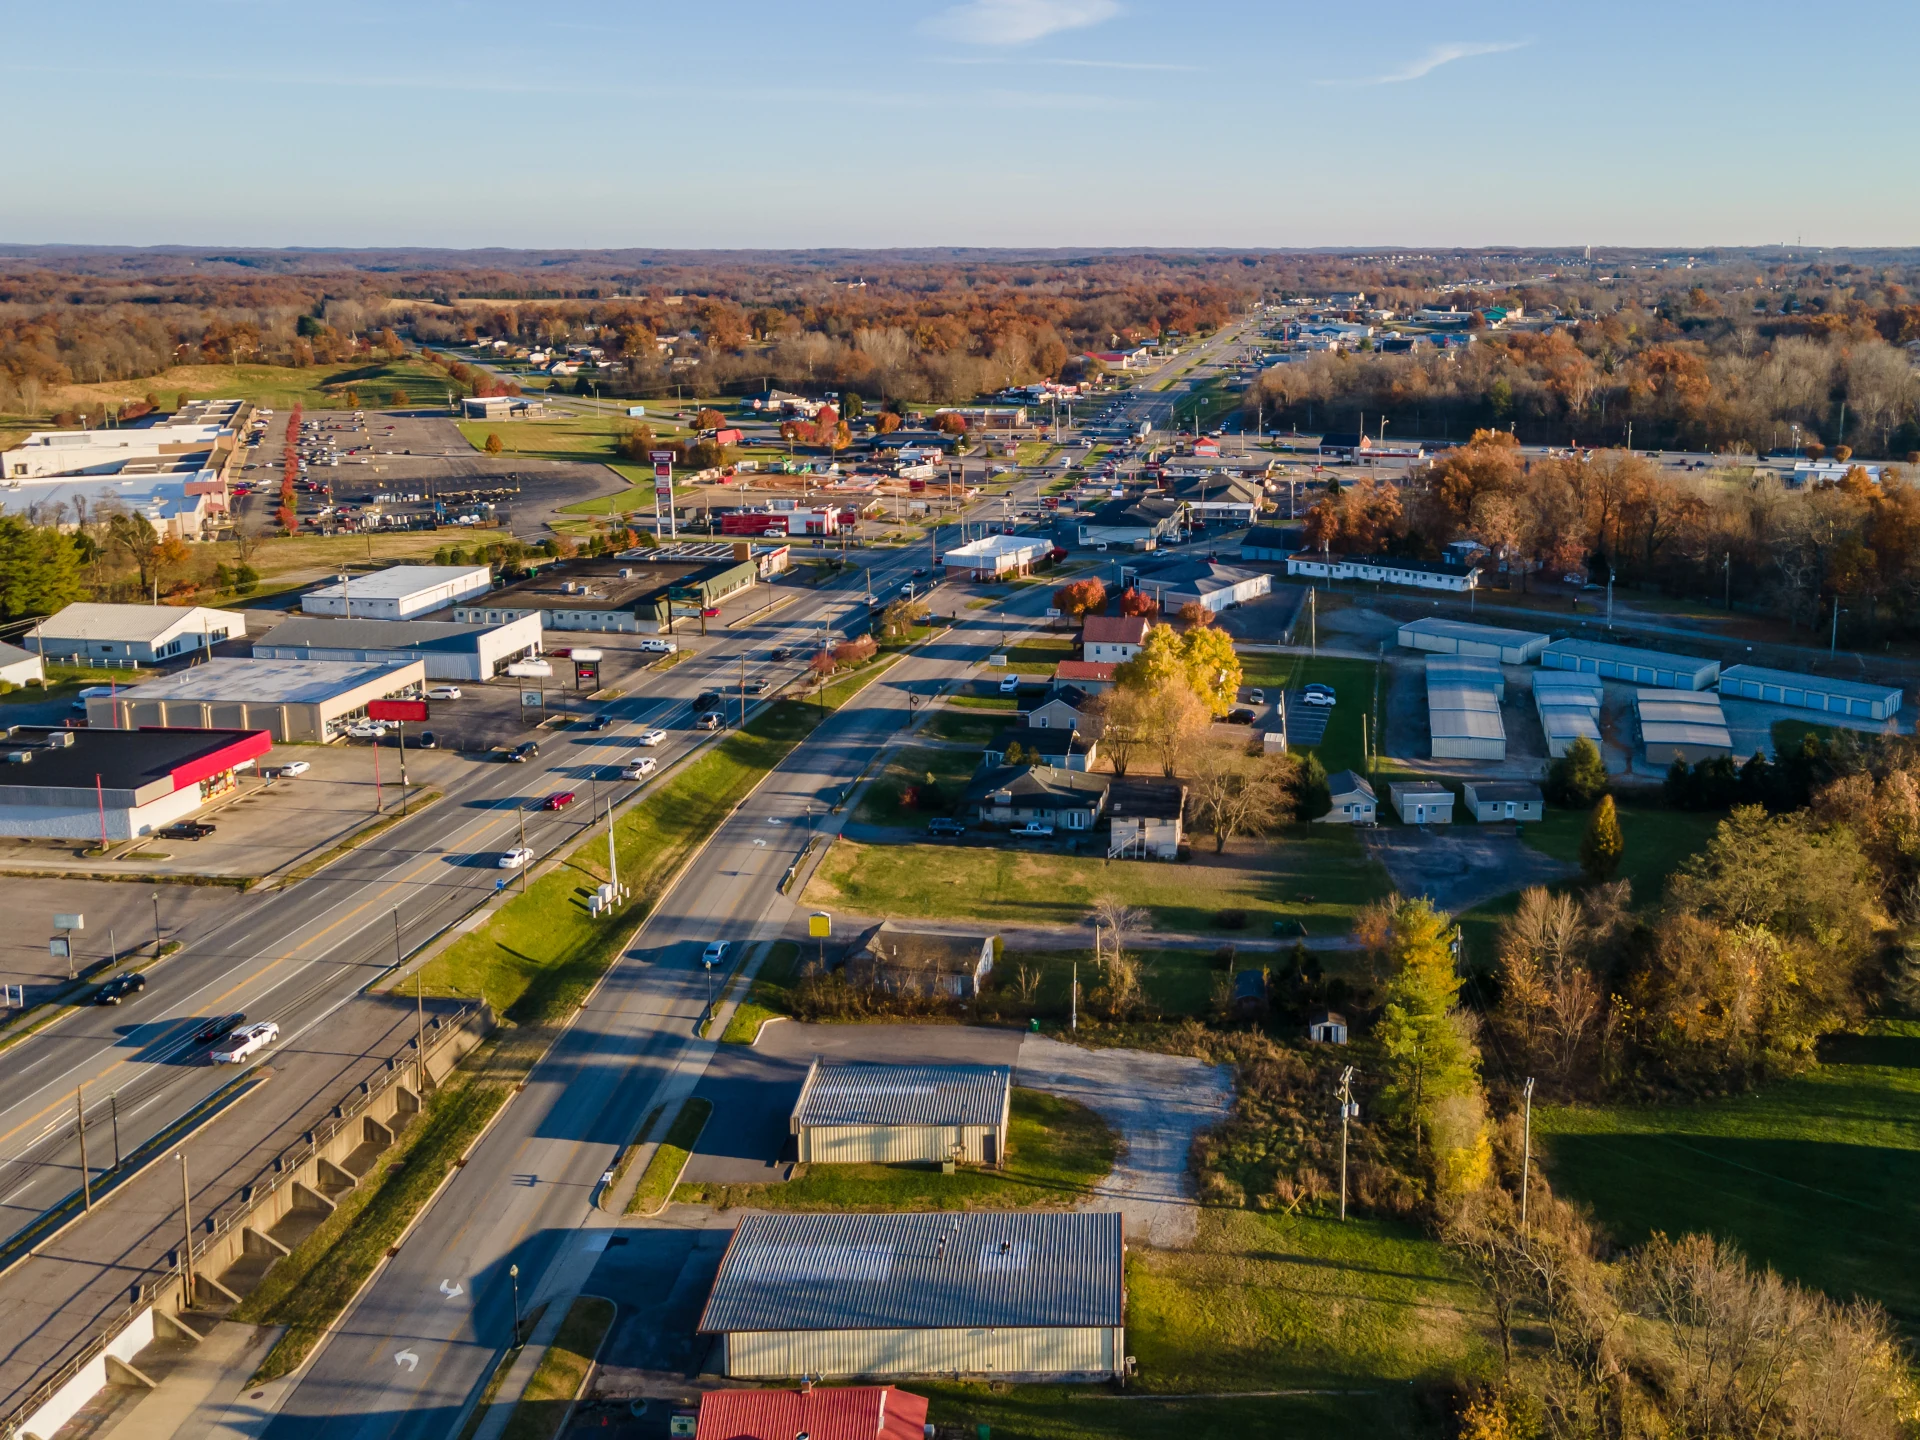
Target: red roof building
{"x": 1112, "y": 637}
{"x": 851, "y": 1412}
{"x": 1085, "y": 672}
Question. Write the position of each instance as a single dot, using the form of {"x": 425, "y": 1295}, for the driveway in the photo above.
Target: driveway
{"x": 1460, "y": 866}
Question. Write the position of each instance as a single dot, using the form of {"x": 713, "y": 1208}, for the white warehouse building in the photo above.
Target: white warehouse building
{"x": 450, "y": 651}
{"x": 400, "y": 592}
{"x": 1810, "y": 692}
{"x": 862, "y": 1113}
{"x": 1456, "y": 637}
{"x": 1631, "y": 664}
{"x": 142, "y": 634}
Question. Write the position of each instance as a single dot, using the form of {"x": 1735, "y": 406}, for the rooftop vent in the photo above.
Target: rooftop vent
{"x": 17, "y": 757}
{"x": 60, "y": 740}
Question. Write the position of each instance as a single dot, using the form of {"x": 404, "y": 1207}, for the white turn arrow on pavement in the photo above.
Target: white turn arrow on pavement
{"x": 452, "y": 1289}
{"x": 408, "y": 1359}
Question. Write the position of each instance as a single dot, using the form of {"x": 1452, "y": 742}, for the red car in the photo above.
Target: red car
{"x": 560, "y": 801}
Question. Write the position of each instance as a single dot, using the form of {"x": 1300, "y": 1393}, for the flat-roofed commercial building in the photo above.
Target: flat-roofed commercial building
{"x": 400, "y": 592}
{"x": 1039, "y": 1295}
{"x": 858, "y": 1113}
{"x": 295, "y": 701}
{"x": 622, "y": 596}
{"x": 1456, "y": 637}
{"x": 110, "y": 785}
{"x": 449, "y": 650}
{"x": 1683, "y": 725}
{"x": 1631, "y": 664}
{"x": 142, "y": 634}
{"x": 1810, "y": 692}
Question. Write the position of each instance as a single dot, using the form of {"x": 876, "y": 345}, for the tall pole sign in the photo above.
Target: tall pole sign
{"x": 663, "y": 490}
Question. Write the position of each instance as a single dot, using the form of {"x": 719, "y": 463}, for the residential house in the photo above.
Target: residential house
{"x": 900, "y": 961}
{"x": 1145, "y": 818}
{"x": 1020, "y": 794}
{"x": 1066, "y": 749}
{"x": 1227, "y": 498}
{"x": 1354, "y": 802}
{"x": 1207, "y": 583}
{"x": 1112, "y": 639}
{"x": 1065, "y": 708}
{"x": 1490, "y": 800}
{"x": 1092, "y": 676}
{"x": 1421, "y": 802}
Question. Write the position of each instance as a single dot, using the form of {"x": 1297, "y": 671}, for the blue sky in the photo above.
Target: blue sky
{"x": 747, "y": 123}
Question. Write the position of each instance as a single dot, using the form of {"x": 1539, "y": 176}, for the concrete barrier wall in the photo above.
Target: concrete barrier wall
{"x": 92, "y": 1376}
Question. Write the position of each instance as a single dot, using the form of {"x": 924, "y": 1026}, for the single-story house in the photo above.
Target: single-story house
{"x": 1065, "y": 708}
{"x": 1327, "y": 1027}
{"x": 1020, "y": 794}
{"x": 1089, "y": 675}
{"x": 1112, "y": 639}
{"x": 1065, "y": 748}
{"x": 1144, "y": 818}
{"x": 1222, "y": 497}
{"x": 1421, "y": 802}
{"x": 1489, "y": 800}
{"x": 853, "y": 1113}
{"x": 1214, "y": 586}
{"x": 1354, "y": 802}
{"x": 980, "y": 1292}
{"x": 820, "y": 1412}
{"x": 900, "y": 961}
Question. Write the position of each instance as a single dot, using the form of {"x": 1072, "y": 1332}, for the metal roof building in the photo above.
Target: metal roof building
{"x": 297, "y": 701}
{"x": 820, "y": 1412}
{"x": 449, "y": 650}
{"x": 1568, "y": 705}
{"x": 1421, "y": 802}
{"x": 399, "y": 592}
{"x": 144, "y": 634}
{"x": 973, "y": 1293}
{"x": 857, "y": 1113}
{"x": 1456, "y": 637}
{"x": 1631, "y": 664}
{"x": 1810, "y": 692}
{"x": 1489, "y": 800}
{"x": 1462, "y": 670}
{"x": 1689, "y": 727}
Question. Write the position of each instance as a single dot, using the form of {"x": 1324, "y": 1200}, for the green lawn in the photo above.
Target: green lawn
{"x": 1056, "y": 1150}
{"x": 944, "y": 770}
{"x": 281, "y": 387}
{"x": 1368, "y": 1310}
{"x": 767, "y": 996}
{"x": 1318, "y": 875}
{"x": 1353, "y": 682}
{"x": 1818, "y": 1177}
{"x": 1037, "y": 655}
{"x": 1004, "y": 703}
{"x": 670, "y": 1157}
{"x": 1178, "y": 982}
{"x": 966, "y": 727}
{"x": 1658, "y": 841}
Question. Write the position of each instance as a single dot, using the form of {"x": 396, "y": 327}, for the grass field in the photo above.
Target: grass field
{"x": 1056, "y": 1150}
{"x": 1342, "y": 747}
{"x": 68, "y": 680}
{"x": 1177, "y": 982}
{"x": 1365, "y": 1311}
{"x": 1037, "y": 655}
{"x": 915, "y": 765}
{"x": 1658, "y": 842}
{"x": 670, "y": 1157}
{"x": 1818, "y": 1177}
{"x": 281, "y": 387}
{"x": 966, "y": 727}
{"x": 1317, "y": 875}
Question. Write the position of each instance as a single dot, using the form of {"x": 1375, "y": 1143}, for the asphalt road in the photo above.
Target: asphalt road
{"x": 410, "y": 1359}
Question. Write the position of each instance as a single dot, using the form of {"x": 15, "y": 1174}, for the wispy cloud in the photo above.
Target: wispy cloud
{"x": 1436, "y": 57}
{"x": 1064, "y": 63}
{"x": 1019, "y": 22}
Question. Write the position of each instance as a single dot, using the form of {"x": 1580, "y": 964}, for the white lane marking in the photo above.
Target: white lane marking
{"x": 452, "y": 1289}
{"x": 408, "y": 1359}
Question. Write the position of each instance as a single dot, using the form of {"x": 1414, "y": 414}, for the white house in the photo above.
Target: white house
{"x": 1112, "y": 639}
{"x": 1145, "y": 818}
{"x": 1354, "y": 802}
{"x": 1421, "y": 802}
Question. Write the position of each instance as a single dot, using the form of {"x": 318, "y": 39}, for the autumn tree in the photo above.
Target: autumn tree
{"x": 493, "y": 445}
{"x": 1602, "y": 845}
{"x": 1081, "y": 597}
{"x": 1138, "y": 603}
{"x": 1432, "y": 1069}
{"x": 1234, "y": 792}
{"x": 709, "y": 419}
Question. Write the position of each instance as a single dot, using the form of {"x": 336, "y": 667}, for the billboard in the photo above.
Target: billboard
{"x": 586, "y": 673}
{"x": 402, "y": 710}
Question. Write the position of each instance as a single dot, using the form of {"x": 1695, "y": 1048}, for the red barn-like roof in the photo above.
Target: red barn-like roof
{"x": 851, "y": 1412}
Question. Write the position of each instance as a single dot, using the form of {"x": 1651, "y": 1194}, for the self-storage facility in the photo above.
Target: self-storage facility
{"x": 111, "y": 785}
{"x": 1456, "y": 637}
{"x": 1681, "y": 726}
{"x": 1810, "y": 692}
{"x": 295, "y": 701}
{"x": 1632, "y": 665}
{"x": 1568, "y": 705}
{"x": 989, "y": 1293}
{"x": 856, "y": 1113}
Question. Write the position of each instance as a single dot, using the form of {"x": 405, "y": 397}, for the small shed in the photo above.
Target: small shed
{"x": 1490, "y": 800}
{"x": 1327, "y": 1027}
{"x": 852, "y": 1113}
{"x": 1421, "y": 802}
{"x": 1250, "y": 1000}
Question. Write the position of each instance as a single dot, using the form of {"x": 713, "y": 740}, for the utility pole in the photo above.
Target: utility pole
{"x": 86, "y": 1177}
{"x": 420, "y": 1033}
{"x": 1347, "y": 1111}
{"x": 156, "y": 924}
{"x": 186, "y": 1250}
{"x": 113, "y": 1108}
{"x": 743, "y": 692}
{"x": 1726, "y": 566}
{"x": 1526, "y": 1156}
{"x": 613, "y": 859}
{"x": 521, "y": 815}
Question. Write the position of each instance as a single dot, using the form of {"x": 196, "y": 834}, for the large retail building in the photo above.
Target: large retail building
{"x": 110, "y": 785}
{"x": 296, "y": 701}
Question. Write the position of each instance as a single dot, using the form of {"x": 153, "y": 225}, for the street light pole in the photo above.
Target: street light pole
{"x": 513, "y": 1273}
{"x": 156, "y": 924}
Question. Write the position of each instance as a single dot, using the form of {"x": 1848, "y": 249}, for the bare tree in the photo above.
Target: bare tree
{"x": 1234, "y": 792}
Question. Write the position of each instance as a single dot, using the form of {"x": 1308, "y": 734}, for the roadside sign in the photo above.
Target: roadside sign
{"x": 400, "y": 710}
{"x": 819, "y": 925}
{"x": 586, "y": 672}
{"x": 69, "y": 922}
{"x": 60, "y": 948}
{"x": 1053, "y": 612}
{"x": 531, "y": 699}
{"x": 997, "y": 662}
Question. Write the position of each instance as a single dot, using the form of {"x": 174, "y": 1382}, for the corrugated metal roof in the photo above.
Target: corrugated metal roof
{"x": 1461, "y": 630}
{"x": 1627, "y": 655}
{"x": 1567, "y": 680}
{"x": 852, "y": 1093}
{"x": 1569, "y": 722}
{"x": 1818, "y": 684}
{"x": 848, "y": 1412}
{"x": 1449, "y": 696}
{"x": 920, "y": 1271}
{"x": 1671, "y": 732}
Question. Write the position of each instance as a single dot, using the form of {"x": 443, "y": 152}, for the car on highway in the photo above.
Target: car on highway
{"x": 293, "y": 768}
{"x": 709, "y": 720}
{"x": 444, "y": 692}
{"x": 516, "y": 857}
{"x": 651, "y": 737}
{"x": 712, "y": 612}
{"x": 118, "y": 988}
{"x": 781, "y": 652}
{"x": 1317, "y": 695}
{"x": 558, "y": 801}
{"x": 945, "y": 825}
{"x": 706, "y": 700}
{"x": 244, "y": 1044}
{"x": 640, "y": 768}
{"x": 1032, "y": 829}
{"x": 600, "y": 722}
{"x": 218, "y": 1026}
{"x": 186, "y": 830}
{"x": 714, "y": 953}
{"x": 653, "y": 645}
{"x": 1009, "y": 684}
{"x": 522, "y": 752}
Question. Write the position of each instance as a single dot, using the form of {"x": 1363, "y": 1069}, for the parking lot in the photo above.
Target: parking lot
{"x": 119, "y": 920}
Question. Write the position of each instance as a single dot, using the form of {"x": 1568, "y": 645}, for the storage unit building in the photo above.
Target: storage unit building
{"x": 1456, "y": 637}
{"x": 1632, "y": 665}
{"x": 450, "y": 651}
{"x": 985, "y": 1293}
{"x": 74, "y": 784}
{"x": 1568, "y": 704}
{"x": 1421, "y": 802}
{"x": 295, "y": 701}
{"x": 1464, "y": 723}
{"x": 1490, "y": 800}
{"x": 400, "y": 592}
{"x": 1811, "y": 692}
{"x": 1456, "y": 670}
{"x": 143, "y": 634}
{"x": 852, "y": 1113}
{"x": 1684, "y": 726}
